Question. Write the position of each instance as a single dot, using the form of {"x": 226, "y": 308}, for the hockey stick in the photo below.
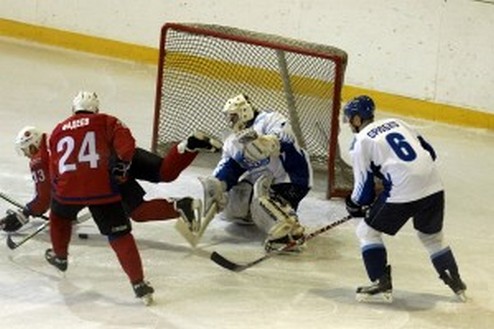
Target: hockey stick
{"x": 13, "y": 245}
{"x": 223, "y": 262}
{"x": 194, "y": 237}
{"x": 16, "y": 203}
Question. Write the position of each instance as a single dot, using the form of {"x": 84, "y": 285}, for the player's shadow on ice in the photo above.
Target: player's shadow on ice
{"x": 402, "y": 299}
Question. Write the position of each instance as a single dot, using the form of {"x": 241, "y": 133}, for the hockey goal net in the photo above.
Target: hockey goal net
{"x": 201, "y": 66}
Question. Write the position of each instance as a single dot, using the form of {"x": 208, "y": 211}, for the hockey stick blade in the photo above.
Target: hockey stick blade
{"x": 229, "y": 265}
{"x": 13, "y": 245}
{"x": 225, "y": 263}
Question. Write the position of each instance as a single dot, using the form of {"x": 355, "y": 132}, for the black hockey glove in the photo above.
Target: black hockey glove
{"x": 354, "y": 209}
{"x": 120, "y": 171}
{"x": 14, "y": 220}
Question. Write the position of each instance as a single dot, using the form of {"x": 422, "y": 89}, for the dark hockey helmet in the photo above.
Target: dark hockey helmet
{"x": 362, "y": 105}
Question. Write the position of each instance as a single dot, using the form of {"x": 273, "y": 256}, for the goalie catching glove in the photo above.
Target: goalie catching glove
{"x": 258, "y": 147}
{"x": 14, "y": 220}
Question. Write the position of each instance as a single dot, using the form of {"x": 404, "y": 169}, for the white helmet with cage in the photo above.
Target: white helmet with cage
{"x": 27, "y": 137}
{"x": 239, "y": 111}
{"x": 85, "y": 101}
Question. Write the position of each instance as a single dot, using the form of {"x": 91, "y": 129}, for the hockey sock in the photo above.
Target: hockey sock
{"x": 375, "y": 260}
{"x": 444, "y": 260}
{"x": 174, "y": 163}
{"x": 128, "y": 256}
{"x": 158, "y": 209}
{"x": 60, "y": 233}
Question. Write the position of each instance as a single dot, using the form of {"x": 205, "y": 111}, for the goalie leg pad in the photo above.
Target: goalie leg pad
{"x": 238, "y": 207}
{"x": 214, "y": 193}
{"x": 274, "y": 219}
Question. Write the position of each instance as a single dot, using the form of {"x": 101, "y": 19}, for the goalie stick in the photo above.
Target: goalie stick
{"x": 14, "y": 245}
{"x": 235, "y": 267}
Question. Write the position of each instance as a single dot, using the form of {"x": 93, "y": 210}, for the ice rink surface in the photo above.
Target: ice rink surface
{"x": 313, "y": 290}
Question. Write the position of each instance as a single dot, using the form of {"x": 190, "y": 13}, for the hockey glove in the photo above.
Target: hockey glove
{"x": 14, "y": 220}
{"x": 120, "y": 171}
{"x": 261, "y": 148}
{"x": 199, "y": 141}
{"x": 354, "y": 209}
{"x": 246, "y": 136}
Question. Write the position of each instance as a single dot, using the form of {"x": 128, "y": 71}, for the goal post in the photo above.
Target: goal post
{"x": 202, "y": 65}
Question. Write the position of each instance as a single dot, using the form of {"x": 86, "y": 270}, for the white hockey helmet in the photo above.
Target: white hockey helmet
{"x": 239, "y": 111}
{"x": 85, "y": 101}
{"x": 27, "y": 137}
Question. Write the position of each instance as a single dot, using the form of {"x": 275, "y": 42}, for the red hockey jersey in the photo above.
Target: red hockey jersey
{"x": 83, "y": 149}
{"x": 39, "y": 165}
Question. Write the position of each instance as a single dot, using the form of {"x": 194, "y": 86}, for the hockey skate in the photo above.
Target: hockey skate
{"x": 454, "y": 281}
{"x": 380, "y": 291}
{"x": 58, "y": 262}
{"x": 200, "y": 141}
{"x": 190, "y": 210}
{"x": 144, "y": 291}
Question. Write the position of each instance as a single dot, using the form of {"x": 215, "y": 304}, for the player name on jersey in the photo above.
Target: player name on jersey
{"x": 382, "y": 128}
{"x": 76, "y": 124}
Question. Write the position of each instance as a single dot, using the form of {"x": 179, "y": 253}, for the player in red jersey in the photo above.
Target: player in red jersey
{"x": 90, "y": 152}
{"x": 31, "y": 143}
{"x": 145, "y": 166}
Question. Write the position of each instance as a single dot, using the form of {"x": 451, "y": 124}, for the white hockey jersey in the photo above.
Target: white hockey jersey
{"x": 292, "y": 165}
{"x": 394, "y": 152}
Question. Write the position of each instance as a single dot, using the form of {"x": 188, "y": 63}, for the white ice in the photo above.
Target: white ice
{"x": 313, "y": 290}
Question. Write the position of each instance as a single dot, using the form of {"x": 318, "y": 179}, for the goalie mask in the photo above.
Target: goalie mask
{"x": 239, "y": 111}
{"x": 85, "y": 101}
{"x": 26, "y": 139}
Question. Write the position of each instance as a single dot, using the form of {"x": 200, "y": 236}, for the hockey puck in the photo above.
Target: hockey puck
{"x": 83, "y": 236}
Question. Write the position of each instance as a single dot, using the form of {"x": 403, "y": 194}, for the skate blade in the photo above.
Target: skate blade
{"x": 147, "y": 299}
{"x": 384, "y": 297}
{"x": 462, "y": 297}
